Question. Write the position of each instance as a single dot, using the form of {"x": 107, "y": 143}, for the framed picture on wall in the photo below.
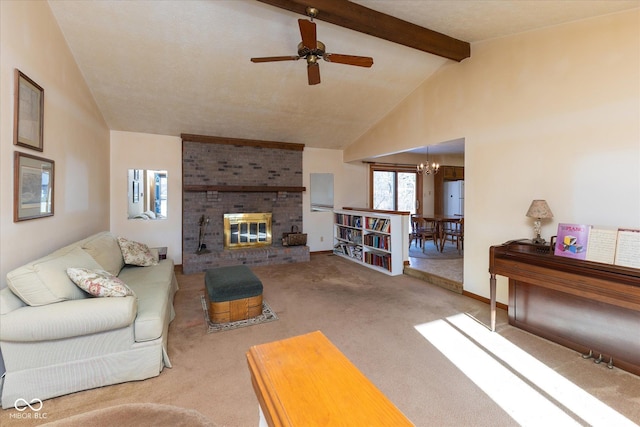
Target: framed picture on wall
{"x": 33, "y": 184}
{"x": 28, "y": 112}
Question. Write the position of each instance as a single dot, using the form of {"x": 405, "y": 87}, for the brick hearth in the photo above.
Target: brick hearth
{"x": 254, "y": 256}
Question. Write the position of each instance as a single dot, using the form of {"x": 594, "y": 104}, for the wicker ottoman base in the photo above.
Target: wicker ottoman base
{"x": 233, "y": 293}
{"x": 231, "y": 311}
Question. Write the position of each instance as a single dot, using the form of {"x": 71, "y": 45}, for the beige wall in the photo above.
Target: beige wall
{"x": 130, "y": 150}
{"x": 76, "y": 137}
{"x": 551, "y": 114}
{"x": 350, "y": 189}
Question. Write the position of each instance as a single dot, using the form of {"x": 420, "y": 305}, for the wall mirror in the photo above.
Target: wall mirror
{"x": 147, "y": 194}
{"x": 321, "y": 191}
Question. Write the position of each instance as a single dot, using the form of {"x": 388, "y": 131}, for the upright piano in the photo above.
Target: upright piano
{"x": 591, "y": 307}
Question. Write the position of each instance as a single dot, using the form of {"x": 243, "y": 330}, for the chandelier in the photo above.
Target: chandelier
{"x": 426, "y": 168}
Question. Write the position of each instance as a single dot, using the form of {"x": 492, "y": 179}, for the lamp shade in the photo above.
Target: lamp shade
{"x": 539, "y": 209}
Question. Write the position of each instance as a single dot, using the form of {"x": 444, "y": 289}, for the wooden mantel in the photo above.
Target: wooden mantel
{"x": 245, "y": 142}
{"x": 243, "y": 188}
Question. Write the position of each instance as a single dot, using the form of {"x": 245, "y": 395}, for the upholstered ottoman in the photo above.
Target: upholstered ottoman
{"x": 232, "y": 293}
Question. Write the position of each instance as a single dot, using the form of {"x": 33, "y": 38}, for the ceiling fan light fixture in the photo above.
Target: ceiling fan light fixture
{"x": 311, "y": 49}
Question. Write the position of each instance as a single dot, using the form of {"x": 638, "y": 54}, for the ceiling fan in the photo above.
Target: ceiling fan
{"x": 311, "y": 49}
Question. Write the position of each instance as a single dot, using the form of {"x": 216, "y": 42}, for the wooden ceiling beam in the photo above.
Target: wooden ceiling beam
{"x": 359, "y": 18}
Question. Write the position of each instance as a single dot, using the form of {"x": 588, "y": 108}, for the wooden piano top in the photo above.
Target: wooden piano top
{"x": 511, "y": 257}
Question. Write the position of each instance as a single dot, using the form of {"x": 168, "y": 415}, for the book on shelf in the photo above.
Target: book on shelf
{"x": 350, "y": 234}
{"x": 377, "y": 241}
{"x": 572, "y": 240}
{"x": 350, "y": 250}
{"x": 349, "y": 220}
{"x": 379, "y": 224}
{"x": 378, "y": 260}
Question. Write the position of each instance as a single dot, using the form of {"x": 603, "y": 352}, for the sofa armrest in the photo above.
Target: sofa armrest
{"x": 68, "y": 319}
{"x": 9, "y": 301}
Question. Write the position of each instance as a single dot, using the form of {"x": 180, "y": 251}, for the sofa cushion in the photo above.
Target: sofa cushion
{"x": 99, "y": 283}
{"x": 153, "y": 287}
{"x": 104, "y": 248}
{"x": 45, "y": 280}
{"x": 135, "y": 253}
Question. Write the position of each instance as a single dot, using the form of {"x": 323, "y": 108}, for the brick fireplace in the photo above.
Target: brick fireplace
{"x": 232, "y": 176}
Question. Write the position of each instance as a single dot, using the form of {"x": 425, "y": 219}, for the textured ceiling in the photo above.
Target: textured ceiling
{"x": 172, "y": 67}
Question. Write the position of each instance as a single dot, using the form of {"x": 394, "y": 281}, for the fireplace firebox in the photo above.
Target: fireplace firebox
{"x": 243, "y": 230}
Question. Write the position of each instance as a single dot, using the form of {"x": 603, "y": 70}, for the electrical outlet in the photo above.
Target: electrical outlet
{"x": 322, "y": 238}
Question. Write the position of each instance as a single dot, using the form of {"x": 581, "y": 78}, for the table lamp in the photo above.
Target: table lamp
{"x": 539, "y": 210}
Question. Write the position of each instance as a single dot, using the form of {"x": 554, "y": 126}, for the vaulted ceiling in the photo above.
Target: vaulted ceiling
{"x": 173, "y": 67}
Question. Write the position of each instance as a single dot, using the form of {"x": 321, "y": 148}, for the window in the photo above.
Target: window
{"x": 395, "y": 188}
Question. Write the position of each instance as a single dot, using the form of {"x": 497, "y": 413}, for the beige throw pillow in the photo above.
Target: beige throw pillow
{"x": 104, "y": 248}
{"x": 99, "y": 283}
{"x": 135, "y": 253}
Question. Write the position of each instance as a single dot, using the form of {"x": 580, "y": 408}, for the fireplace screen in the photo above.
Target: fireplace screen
{"x": 247, "y": 229}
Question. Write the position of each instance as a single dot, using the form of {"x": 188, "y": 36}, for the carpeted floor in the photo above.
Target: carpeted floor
{"x": 372, "y": 319}
{"x": 137, "y": 415}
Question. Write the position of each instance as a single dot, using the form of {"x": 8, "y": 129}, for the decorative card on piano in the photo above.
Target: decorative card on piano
{"x": 572, "y": 240}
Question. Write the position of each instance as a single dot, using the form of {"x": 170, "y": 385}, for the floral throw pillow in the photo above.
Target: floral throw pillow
{"x": 99, "y": 283}
{"x": 135, "y": 253}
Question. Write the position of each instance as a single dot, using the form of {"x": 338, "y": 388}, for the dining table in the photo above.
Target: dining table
{"x": 439, "y": 221}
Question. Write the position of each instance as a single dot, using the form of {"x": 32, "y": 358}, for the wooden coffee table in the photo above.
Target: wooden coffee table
{"x": 307, "y": 381}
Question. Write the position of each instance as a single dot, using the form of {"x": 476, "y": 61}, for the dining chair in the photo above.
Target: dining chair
{"x": 416, "y": 230}
{"x": 429, "y": 232}
{"x": 453, "y": 231}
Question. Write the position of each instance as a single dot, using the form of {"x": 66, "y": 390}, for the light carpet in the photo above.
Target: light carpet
{"x": 268, "y": 315}
{"x": 135, "y": 415}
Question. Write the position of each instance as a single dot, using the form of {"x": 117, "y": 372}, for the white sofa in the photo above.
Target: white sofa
{"x": 57, "y": 339}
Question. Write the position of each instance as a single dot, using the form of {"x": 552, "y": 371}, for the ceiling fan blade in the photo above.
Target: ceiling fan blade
{"x": 313, "y": 72}
{"x": 360, "y": 61}
{"x": 308, "y": 33}
{"x": 275, "y": 58}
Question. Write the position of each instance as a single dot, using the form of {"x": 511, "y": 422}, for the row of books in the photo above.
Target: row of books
{"x": 379, "y": 224}
{"x": 353, "y": 251}
{"x": 380, "y": 241}
{"x": 619, "y": 246}
{"x": 378, "y": 260}
{"x": 349, "y": 220}
{"x": 349, "y": 234}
